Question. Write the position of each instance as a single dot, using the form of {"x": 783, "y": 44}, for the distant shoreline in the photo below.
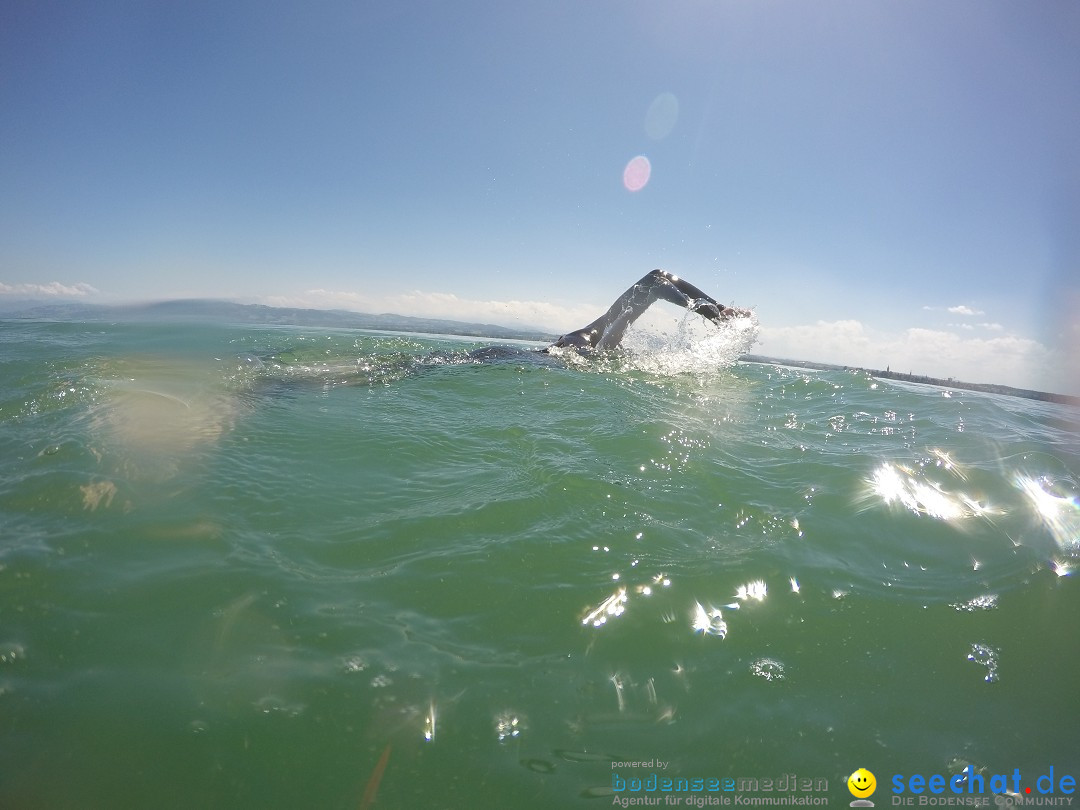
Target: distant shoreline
{"x": 195, "y": 310}
{"x": 198, "y": 310}
{"x": 985, "y": 388}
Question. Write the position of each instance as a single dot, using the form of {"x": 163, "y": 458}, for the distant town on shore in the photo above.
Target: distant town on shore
{"x": 887, "y": 374}
{"x": 226, "y": 311}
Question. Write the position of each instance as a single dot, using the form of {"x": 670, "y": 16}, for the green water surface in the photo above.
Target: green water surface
{"x": 266, "y": 567}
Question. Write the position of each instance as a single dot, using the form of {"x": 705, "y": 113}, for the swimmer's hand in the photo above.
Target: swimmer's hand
{"x": 717, "y": 313}
{"x": 734, "y": 312}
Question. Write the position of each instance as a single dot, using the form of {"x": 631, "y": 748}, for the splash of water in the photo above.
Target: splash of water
{"x": 986, "y": 656}
{"x": 695, "y": 347}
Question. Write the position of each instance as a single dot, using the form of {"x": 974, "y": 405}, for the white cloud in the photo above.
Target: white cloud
{"x": 959, "y": 309}
{"x": 1005, "y": 360}
{"x": 541, "y": 314}
{"x": 54, "y": 289}
{"x": 823, "y": 341}
{"x": 971, "y": 327}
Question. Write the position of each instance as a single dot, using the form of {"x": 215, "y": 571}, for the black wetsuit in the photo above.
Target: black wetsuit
{"x": 607, "y": 331}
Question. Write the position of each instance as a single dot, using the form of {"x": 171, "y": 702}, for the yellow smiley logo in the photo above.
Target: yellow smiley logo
{"x": 862, "y": 784}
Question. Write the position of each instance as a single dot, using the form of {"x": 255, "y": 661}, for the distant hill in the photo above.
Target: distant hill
{"x": 198, "y": 310}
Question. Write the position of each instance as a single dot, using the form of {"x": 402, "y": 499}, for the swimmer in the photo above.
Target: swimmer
{"x": 607, "y": 331}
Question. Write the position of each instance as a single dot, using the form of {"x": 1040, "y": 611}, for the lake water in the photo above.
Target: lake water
{"x": 245, "y": 566}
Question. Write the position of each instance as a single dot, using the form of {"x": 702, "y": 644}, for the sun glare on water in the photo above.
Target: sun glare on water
{"x": 1060, "y": 514}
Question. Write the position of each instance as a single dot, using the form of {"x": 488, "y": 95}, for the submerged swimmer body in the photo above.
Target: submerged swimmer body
{"x": 607, "y": 331}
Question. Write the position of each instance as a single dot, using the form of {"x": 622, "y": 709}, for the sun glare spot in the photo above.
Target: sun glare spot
{"x": 612, "y": 607}
{"x": 987, "y": 601}
{"x": 945, "y": 461}
{"x": 895, "y": 484}
{"x": 756, "y": 590}
{"x": 617, "y": 682}
{"x": 1060, "y": 514}
{"x": 708, "y": 621}
{"x": 508, "y": 725}
{"x": 429, "y": 723}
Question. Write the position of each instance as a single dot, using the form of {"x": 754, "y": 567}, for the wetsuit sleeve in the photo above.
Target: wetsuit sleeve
{"x": 607, "y": 331}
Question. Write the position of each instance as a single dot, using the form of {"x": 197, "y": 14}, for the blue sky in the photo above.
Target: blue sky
{"x": 886, "y": 183}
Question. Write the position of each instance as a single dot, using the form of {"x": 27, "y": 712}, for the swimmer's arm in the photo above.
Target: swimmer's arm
{"x": 607, "y": 331}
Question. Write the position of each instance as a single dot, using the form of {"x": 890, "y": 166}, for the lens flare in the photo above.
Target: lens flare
{"x": 636, "y": 174}
{"x": 662, "y": 116}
